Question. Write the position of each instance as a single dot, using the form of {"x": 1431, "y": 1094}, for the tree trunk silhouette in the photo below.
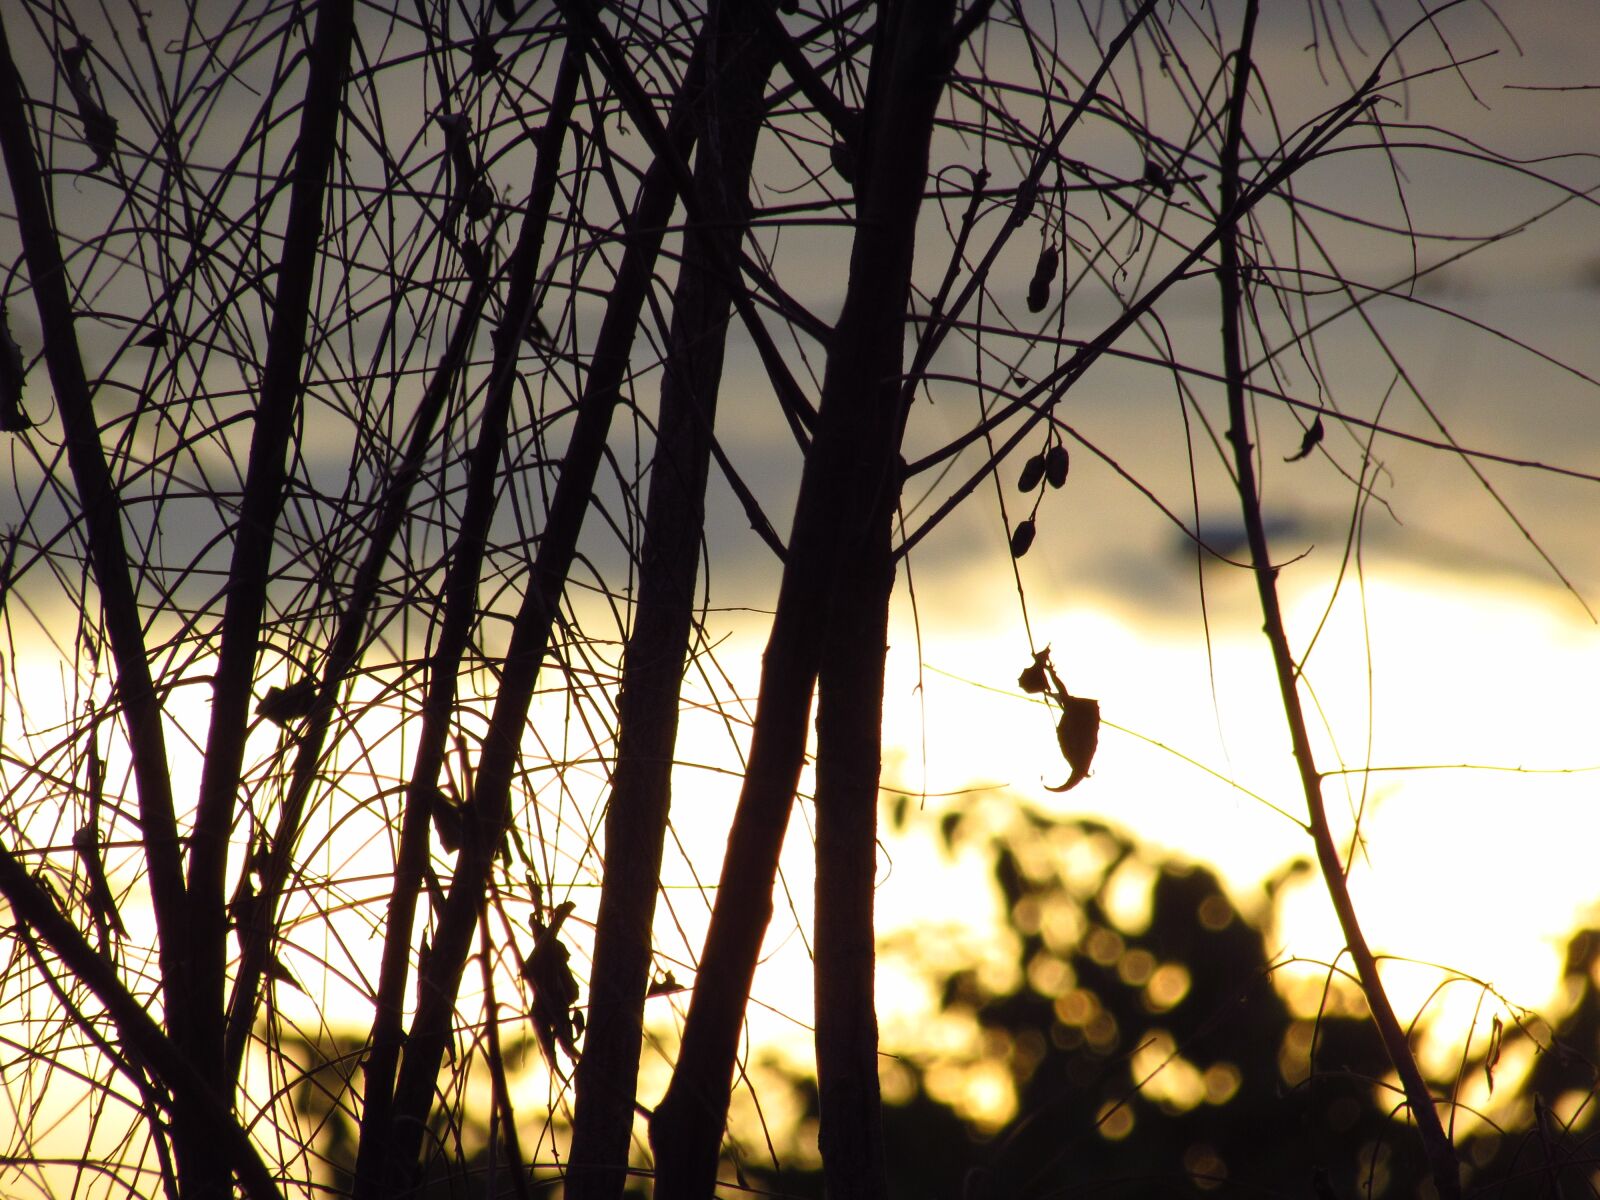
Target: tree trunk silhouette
{"x": 486, "y": 816}
{"x": 849, "y": 753}
{"x": 853, "y": 459}
{"x": 728, "y": 118}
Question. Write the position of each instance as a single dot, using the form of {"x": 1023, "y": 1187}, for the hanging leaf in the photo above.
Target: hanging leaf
{"x": 555, "y": 991}
{"x": 1308, "y": 443}
{"x": 1079, "y": 736}
{"x": 844, "y": 151}
{"x": 1032, "y": 473}
{"x": 472, "y": 259}
{"x": 843, "y": 160}
{"x": 99, "y": 126}
{"x": 1056, "y": 465}
{"x": 1022, "y": 538}
{"x": 1043, "y": 273}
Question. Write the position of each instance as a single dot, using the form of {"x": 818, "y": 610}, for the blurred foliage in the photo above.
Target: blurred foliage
{"x": 1151, "y": 1051}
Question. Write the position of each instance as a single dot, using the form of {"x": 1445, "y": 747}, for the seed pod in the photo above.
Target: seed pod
{"x": 1043, "y": 273}
{"x": 1056, "y": 464}
{"x": 480, "y": 201}
{"x": 1032, "y": 473}
{"x": 1021, "y": 538}
{"x": 1156, "y": 177}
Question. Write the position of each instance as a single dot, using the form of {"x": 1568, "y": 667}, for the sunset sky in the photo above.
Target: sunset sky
{"x": 1454, "y": 682}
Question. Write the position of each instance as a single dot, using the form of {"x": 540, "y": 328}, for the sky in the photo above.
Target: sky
{"x": 1442, "y": 634}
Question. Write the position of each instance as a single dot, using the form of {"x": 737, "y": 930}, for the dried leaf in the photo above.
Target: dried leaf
{"x": 555, "y": 991}
{"x": 1492, "y": 1059}
{"x": 447, "y": 819}
{"x": 471, "y": 192}
{"x": 242, "y": 909}
{"x": 480, "y": 201}
{"x": 667, "y": 985}
{"x": 1032, "y": 473}
{"x": 472, "y": 259}
{"x": 277, "y": 971}
{"x": 99, "y": 126}
{"x": 1033, "y": 679}
{"x": 284, "y": 704}
{"x": 1056, "y": 465}
{"x": 1044, "y": 272}
{"x": 1022, "y": 538}
{"x": 99, "y": 131}
{"x": 13, "y": 418}
{"x": 1155, "y": 176}
{"x": 1079, "y": 735}
{"x": 1308, "y": 443}
{"x": 485, "y": 58}
{"x": 844, "y": 152}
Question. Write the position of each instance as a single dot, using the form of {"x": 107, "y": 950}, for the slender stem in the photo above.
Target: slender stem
{"x": 1436, "y": 1143}
{"x": 460, "y": 611}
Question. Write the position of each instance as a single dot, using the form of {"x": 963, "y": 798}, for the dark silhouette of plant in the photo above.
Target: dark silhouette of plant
{"x": 377, "y": 383}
